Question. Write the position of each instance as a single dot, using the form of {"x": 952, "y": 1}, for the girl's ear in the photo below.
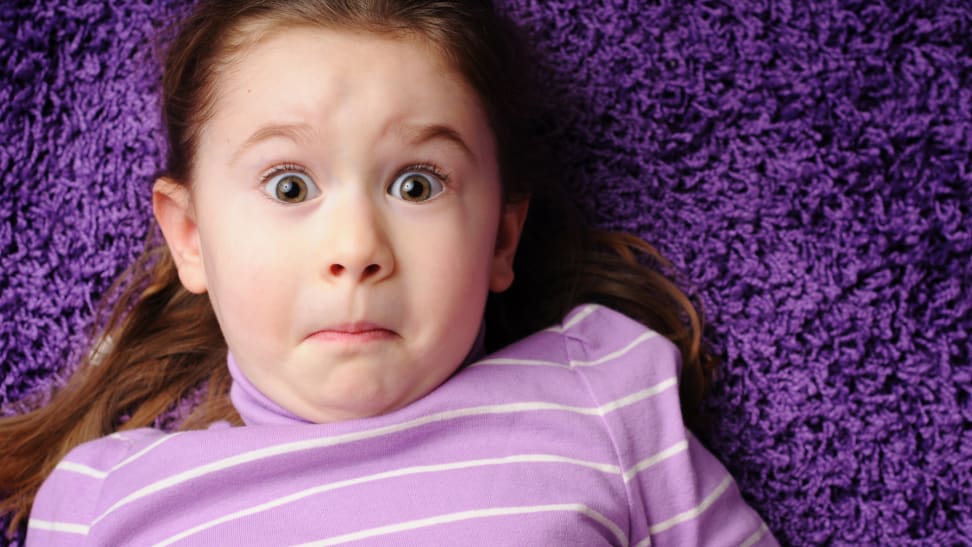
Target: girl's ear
{"x": 507, "y": 238}
{"x": 173, "y": 212}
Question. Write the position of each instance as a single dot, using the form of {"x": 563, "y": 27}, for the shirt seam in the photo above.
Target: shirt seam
{"x": 607, "y": 428}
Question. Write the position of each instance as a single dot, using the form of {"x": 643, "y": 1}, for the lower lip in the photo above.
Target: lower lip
{"x": 359, "y": 337}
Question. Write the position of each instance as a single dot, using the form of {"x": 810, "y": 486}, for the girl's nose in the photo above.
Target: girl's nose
{"x": 357, "y": 249}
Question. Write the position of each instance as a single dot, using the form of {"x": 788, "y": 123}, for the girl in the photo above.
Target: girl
{"x": 344, "y": 207}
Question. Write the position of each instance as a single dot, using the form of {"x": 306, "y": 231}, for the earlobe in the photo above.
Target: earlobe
{"x": 507, "y": 238}
{"x": 173, "y": 212}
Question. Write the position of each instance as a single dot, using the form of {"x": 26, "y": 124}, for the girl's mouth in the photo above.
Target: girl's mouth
{"x": 353, "y": 333}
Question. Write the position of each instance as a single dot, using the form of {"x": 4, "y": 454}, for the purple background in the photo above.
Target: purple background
{"x": 807, "y": 166}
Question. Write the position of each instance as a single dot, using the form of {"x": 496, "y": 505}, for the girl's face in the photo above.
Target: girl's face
{"x": 345, "y": 217}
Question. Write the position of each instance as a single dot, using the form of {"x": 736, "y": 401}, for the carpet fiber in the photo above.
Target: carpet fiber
{"x": 806, "y": 165}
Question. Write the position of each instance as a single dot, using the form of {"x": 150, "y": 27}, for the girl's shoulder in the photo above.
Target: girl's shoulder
{"x": 74, "y": 493}
{"x": 97, "y": 456}
{"x": 593, "y": 329}
{"x": 604, "y": 347}
{"x": 55, "y": 514}
{"x": 114, "y": 451}
{"x": 596, "y": 362}
{"x": 614, "y": 383}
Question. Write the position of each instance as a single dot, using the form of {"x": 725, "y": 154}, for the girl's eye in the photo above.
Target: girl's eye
{"x": 416, "y": 186}
{"x": 290, "y": 186}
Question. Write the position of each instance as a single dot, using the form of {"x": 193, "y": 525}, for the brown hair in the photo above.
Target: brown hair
{"x": 162, "y": 343}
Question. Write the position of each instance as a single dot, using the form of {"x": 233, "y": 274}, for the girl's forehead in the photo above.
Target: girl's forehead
{"x": 294, "y": 62}
{"x": 334, "y": 81}
{"x": 335, "y": 50}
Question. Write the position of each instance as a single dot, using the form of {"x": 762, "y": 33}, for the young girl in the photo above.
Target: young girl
{"x": 345, "y": 204}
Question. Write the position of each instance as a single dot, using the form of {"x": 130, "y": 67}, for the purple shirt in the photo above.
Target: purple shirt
{"x": 572, "y": 436}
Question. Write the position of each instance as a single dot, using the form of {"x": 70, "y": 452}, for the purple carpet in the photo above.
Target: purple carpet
{"x": 808, "y": 167}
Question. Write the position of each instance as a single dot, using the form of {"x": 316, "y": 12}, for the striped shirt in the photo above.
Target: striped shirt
{"x": 571, "y": 436}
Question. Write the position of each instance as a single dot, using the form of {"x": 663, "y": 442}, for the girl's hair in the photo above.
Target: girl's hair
{"x": 160, "y": 344}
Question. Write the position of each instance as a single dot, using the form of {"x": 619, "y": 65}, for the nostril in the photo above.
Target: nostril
{"x": 336, "y": 269}
{"x": 371, "y": 270}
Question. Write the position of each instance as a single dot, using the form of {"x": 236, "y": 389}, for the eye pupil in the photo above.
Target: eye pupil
{"x": 291, "y": 189}
{"x": 416, "y": 188}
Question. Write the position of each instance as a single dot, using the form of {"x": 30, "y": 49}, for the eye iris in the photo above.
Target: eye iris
{"x": 291, "y": 189}
{"x": 416, "y": 189}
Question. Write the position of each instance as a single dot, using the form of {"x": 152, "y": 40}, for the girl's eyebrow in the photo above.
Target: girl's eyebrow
{"x": 421, "y": 134}
{"x": 296, "y": 132}
{"x": 302, "y": 132}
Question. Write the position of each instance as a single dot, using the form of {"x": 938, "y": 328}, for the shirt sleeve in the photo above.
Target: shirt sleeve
{"x": 678, "y": 492}
{"x": 68, "y": 500}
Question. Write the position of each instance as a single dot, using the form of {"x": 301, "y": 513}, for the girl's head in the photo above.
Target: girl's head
{"x": 347, "y": 180}
{"x": 336, "y": 189}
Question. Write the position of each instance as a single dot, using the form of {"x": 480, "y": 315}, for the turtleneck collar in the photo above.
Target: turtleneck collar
{"x": 257, "y": 409}
{"x": 253, "y": 406}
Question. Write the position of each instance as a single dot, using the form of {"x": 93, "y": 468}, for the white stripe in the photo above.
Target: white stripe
{"x": 676, "y": 448}
{"x": 415, "y": 470}
{"x": 577, "y": 318}
{"x": 692, "y": 513}
{"x": 81, "y": 468}
{"x": 542, "y": 363}
{"x": 98, "y": 474}
{"x": 523, "y": 362}
{"x": 270, "y": 451}
{"x": 66, "y": 527}
{"x": 757, "y": 535}
{"x": 750, "y": 541}
{"x": 637, "y": 396}
{"x": 469, "y": 515}
{"x": 614, "y": 355}
{"x": 144, "y": 451}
